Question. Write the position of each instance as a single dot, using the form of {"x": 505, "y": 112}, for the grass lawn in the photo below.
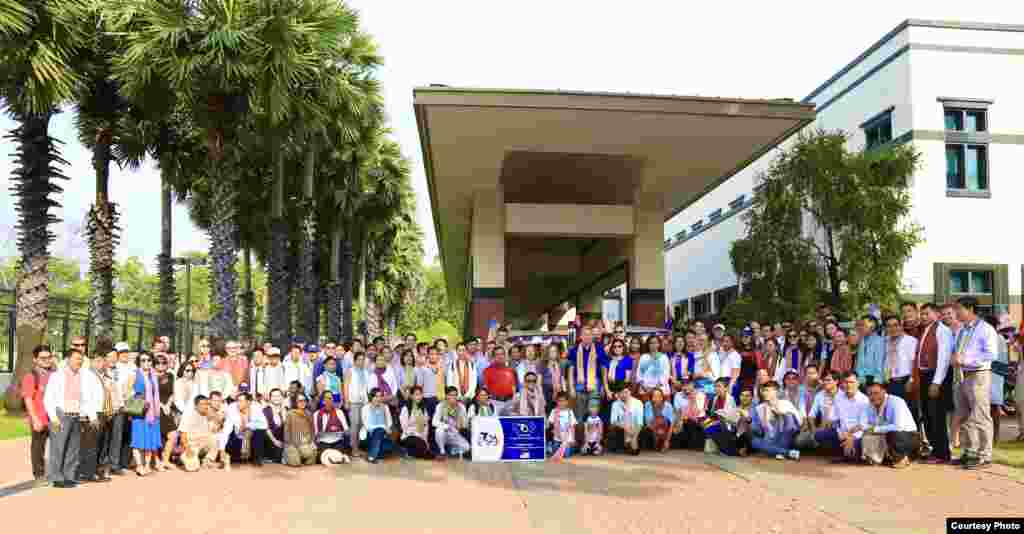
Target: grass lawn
{"x": 1009, "y": 453}
{"x": 12, "y": 426}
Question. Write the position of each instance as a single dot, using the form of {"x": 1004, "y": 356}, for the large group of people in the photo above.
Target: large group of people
{"x": 878, "y": 394}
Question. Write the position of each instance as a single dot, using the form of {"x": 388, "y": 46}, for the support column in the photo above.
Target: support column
{"x": 487, "y": 254}
{"x": 647, "y": 263}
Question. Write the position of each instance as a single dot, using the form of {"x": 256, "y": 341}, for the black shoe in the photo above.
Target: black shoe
{"x": 102, "y": 478}
{"x": 70, "y": 483}
{"x": 59, "y": 484}
{"x": 117, "y": 472}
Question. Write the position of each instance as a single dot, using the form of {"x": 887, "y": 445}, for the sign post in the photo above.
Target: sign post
{"x": 508, "y": 439}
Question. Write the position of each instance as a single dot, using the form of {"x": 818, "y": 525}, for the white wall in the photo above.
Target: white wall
{"x": 967, "y": 230}
{"x": 702, "y": 264}
{"x": 962, "y": 230}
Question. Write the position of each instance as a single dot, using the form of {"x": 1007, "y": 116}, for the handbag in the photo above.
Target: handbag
{"x": 135, "y": 407}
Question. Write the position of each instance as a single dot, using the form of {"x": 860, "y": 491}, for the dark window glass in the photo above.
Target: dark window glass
{"x": 878, "y": 132}
{"x": 975, "y": 121}
{"x": 981, "y": 281}
{"x": 954, "y": 167}
{"x": 976, "y": 168}
{"x": 959, "y": 282}
{"x": 954, "y": 120}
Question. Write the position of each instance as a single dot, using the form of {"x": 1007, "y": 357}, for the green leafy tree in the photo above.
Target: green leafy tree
{"x": 821, "y": 208}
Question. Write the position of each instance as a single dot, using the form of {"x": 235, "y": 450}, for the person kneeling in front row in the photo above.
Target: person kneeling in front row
{"x": 197, "y": 440}
{"x": 375, "y": 436}
{"x": 891, "y": 433}
{"x": 775, "y": 424}
{"x": 299, "y": 448}
{"x": 450, "y": 424}
{"x": 626, "y": 422}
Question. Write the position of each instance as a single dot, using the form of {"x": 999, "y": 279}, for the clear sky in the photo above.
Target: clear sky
{"x": 780, "y": 49}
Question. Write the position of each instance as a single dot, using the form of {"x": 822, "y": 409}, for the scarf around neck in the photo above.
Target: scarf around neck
{"x": 586, "y": 370}
{"x": 151, "y": 396}
{"x": 382, "y": 384}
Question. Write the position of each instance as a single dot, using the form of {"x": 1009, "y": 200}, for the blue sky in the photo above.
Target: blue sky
{"x": 752, "y": 49}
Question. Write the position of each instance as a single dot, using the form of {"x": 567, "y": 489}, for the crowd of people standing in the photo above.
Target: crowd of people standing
{"x": 877, "y": 394}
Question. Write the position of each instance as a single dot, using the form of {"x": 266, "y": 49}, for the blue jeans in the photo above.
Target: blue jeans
{"x": 378, "y": 443}
{"x": 768, "y": 446}
{"x": 830, "y": 436}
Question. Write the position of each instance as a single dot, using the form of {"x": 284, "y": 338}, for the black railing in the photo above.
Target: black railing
{"x": 69, "y": 318}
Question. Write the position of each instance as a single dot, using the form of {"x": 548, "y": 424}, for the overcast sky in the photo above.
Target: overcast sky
{"x": 774, "y": 49}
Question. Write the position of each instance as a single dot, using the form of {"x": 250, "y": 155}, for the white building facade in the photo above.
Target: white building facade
{"x": 955, "y": 90}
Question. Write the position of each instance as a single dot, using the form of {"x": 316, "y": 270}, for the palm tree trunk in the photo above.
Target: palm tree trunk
{"x": 165, "y": 263}
{"x": 102, "y": 230}
{"x": 372, "y": 312}
{"x": 307, "y": 281}
{"x": 334, "y": 287}
{"x": 36, "y": 155}
{"x": 278, "y": 295}
{"x": 223, "y": 255}
{"x": 308, "y": 309}
{"x": 248, "y": 298}
{"x": 345, "y": 280}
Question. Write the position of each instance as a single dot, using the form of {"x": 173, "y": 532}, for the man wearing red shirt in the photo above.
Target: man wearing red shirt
{"x": 500, "y": 380}
{"x": 236, "y": 364}
{"x": 32, "y": 387}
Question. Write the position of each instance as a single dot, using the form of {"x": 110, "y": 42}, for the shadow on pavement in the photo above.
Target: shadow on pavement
{"x": 644, "y": 476}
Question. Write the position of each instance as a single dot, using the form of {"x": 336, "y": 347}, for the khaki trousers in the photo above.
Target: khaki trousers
{"x": 976, "y": 429}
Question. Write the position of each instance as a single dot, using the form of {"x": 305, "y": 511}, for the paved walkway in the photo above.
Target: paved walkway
{"x": 674, "y": 493}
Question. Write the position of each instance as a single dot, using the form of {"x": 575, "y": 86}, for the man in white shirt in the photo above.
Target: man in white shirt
{"x": 889, "y": 415}
{"x": 295, "y": 369}
{"x": 900, "y": 350}
{"x": 72, "y": 395}
{"x": 245, "y": 418}
{"x": 819, "y": 418}
{"x": 273, "y": 374}
{"x": 849, "y": 419}
{"x": 626, "y": 422}
{"x": 461, "y": 374}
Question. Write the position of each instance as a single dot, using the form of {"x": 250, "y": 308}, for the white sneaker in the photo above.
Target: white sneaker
{"x": 779, "y": 457}
{"x": 794, "y": 455}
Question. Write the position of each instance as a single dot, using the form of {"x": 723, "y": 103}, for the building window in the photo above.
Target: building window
{"x": 975, "y": 284}
{"x": 725, "y": 297}
{"x": 878, "y": 131}
{"x": 702, "y": 305}
{"x": 967, "y": 167}
{"x": 966, "y": 120}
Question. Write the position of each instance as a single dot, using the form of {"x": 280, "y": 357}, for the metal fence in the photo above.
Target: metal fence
{"x": 70, "y": 318}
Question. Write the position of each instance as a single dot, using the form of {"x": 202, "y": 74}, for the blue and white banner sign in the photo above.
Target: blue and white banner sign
{"x": 508, "y": 439}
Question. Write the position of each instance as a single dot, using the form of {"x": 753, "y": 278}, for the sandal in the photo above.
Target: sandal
{"x": 140, "y": 472}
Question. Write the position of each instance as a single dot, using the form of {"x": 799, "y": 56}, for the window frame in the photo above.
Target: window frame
{"x": 970, "y": 282}
{"x": 874, "y": 125}
{"x": 965, "y": 141}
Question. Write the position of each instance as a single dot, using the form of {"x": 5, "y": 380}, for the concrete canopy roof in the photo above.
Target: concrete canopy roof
{"x": 581, "y": 148}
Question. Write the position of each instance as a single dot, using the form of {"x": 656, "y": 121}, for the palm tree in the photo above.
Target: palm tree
{"x": 39, "y": 43}
{"x": 388, "y": 199}
{"x": 207, "y": 53}
{"x": 104, "y": 127}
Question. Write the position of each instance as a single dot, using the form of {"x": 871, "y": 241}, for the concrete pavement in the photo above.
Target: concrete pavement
{"x": 672, "y": 493}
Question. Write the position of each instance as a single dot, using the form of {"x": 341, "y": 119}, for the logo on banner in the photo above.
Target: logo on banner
{"x": 487, "y": 439}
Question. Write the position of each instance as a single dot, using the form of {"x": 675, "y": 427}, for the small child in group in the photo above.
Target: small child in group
{"x": 593, "y": 430}
{"x": 563, "y": 429}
